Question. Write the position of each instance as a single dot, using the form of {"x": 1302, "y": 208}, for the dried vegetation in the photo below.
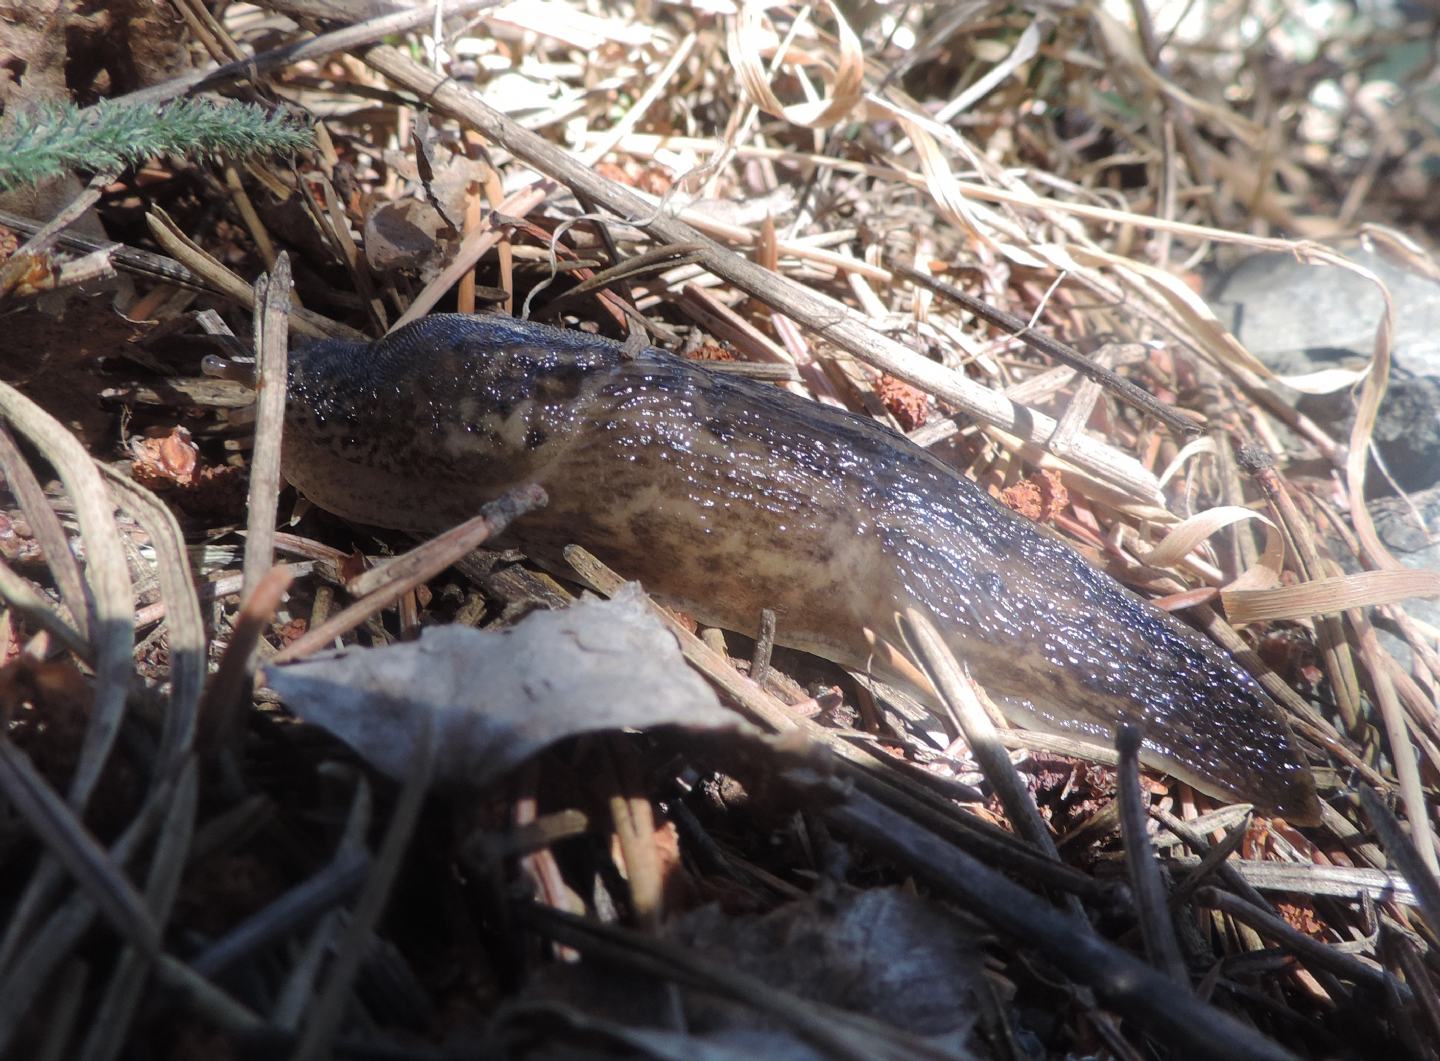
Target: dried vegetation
{"x": 810, "y": 196}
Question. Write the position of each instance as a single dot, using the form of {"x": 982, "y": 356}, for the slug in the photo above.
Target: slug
{"x": 726, "y": 496}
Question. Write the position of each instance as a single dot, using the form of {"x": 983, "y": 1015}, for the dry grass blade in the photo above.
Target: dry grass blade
{"x": 748, "y": 44}
{"x": 217, "y": 277}
{"x": 1301, "y": 539}
{"x": 199, "y": 996}
{"x": 1367, "y": 408}
{"x": 1061, "y": 352}
{"x": 297, "y": 992}
{"x": 489, "y": 233}
{"x": 43, "y": 946}
{"x": 1328, "y": 596}
{"x": 185, "y": 626}
{"x": 1183, "y": 538}
{"x": 48, "y": 532}
{"x": 106, "y": 573}
{"x": 22, "y": 596}
{"x": 70, "y": 992}
{"x": 1402, "y": 751}
{"x": 107, "y": 576}
{"x": 128, "y": 979}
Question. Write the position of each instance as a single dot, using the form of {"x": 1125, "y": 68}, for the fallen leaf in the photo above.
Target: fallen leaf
{"x": 496, "y": 697}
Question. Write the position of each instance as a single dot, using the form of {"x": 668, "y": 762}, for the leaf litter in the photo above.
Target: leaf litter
{"x": 492, "y": 699}
{"x": 190, "y": 866}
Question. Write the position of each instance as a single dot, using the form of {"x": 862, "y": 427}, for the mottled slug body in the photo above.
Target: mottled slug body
{"x": 727, "y": 496}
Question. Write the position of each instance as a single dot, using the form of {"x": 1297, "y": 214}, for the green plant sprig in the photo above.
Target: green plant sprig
{"x": 47, "y": 140}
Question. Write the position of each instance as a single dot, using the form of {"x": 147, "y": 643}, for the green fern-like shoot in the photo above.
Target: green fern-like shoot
{"x": 45, "y": 141}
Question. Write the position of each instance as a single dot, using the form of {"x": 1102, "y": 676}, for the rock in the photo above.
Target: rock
{"x": 1297, "y": 317}
{"x": 1301, "y": 318}
{"x": 1414, "y": 546}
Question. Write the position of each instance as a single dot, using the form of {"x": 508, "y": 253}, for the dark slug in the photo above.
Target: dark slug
{"x": 728, "y": 496}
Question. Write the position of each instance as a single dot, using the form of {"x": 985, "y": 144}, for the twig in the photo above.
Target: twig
{"x": 1137, "y": 396}
{"x": 45, "y": 236}
{"x": 130, "y": 259}
{"x": 1151, "y": 908}
{"x": 1338, "y": 660}
{"x": 329, "y": 1008}
{"x": 339, "y": 40}
{"x": 1302, "y": 946}
{"x": 1399, "y": 847}
{"x": 221, "y": 707}
{"x": 1342, "y": 882}
{"x": 421, "y": 564}
{"x": 1212, "y": 859}
{"x": 764, "y": 646}
{"x": 1123, "y": 982}
{"x": 957, "y": 692}
{"x": 272, "y": 351}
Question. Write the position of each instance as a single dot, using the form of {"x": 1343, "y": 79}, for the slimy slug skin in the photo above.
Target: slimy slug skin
{"x": 725, "y": 496}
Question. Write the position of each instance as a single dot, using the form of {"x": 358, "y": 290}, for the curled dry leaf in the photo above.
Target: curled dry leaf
{"x": 1180, "y": 540}
{"x": 842, "y": 70}
{"x": 902, "y": 967}
{"x": 886, "y": 953}
{"x": 493, "y": 698}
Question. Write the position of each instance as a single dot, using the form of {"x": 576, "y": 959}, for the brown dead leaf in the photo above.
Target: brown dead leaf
{"x": 493, "y": 698}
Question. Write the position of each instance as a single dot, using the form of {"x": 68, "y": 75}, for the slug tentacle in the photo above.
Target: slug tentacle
{"x": 727, "y": 496}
